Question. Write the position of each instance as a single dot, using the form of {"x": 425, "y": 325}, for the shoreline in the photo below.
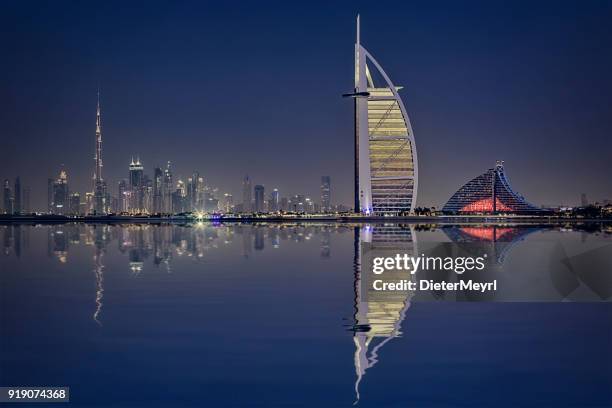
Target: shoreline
{"x": 450, "y": 220}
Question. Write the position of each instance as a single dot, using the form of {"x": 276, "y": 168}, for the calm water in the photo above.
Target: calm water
{"x": 280, "y": 315}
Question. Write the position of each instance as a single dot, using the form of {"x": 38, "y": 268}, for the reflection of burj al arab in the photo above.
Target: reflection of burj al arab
{"x": 378, "y": 315}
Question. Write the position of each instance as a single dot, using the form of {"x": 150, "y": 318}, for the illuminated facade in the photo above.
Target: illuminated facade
{"x": 386, "y": 168}
{"x": 489, "y": 193}
{"x": 60, "y": 195}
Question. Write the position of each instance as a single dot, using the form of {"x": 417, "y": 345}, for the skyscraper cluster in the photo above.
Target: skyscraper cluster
{"x": 140, "y": 194}
{"x": 163, "y": 193}
{"x": 15, "y": 200}
{"x": 254, "y": 200}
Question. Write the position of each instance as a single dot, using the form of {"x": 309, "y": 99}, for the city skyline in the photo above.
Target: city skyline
{"x": 463, "y": 118}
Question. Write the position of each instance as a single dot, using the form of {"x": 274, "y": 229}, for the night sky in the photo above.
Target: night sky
{"x": 230, "y": 88}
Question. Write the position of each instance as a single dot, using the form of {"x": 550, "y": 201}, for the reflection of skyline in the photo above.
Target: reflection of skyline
{"x": 164, "y": 243}
{"x": 14, "y": 239}
{"x": 378, "y": 315}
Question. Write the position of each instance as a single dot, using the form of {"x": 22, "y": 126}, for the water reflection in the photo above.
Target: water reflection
{"x": 496, "y": 239}
{"x": 378, "y": 315}
{"x": 14, "y": 239}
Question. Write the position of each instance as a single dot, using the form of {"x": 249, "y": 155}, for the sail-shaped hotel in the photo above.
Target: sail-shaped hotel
{"x": 386, "y": 167}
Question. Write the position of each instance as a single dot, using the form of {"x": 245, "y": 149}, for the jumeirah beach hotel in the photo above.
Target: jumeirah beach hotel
{"x": 489, "y": 193}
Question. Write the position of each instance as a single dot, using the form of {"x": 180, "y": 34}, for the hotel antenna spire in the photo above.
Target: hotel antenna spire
{"x": 357, "y": 40}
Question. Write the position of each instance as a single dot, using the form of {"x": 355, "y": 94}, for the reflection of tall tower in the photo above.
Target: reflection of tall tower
{"x": 386, "y": 168}
{"x": 378, "y": 314}
{"x": 99, "y": 187}
{"x": 100, "y": 240}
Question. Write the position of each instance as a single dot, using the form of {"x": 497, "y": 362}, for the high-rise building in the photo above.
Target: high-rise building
{"x": 179, "y": 197}
{"x": 158, "y": 182}
{"x": 325, "y": 194}
{"x": 167, "y": 190}
{"x": 274, "y": 203}
{"x": 147, "y": 194}
{"x": 259, "y": 198}
{"x": 195, "y": 192}
{"x": 136, "y": 170}
{"x": 228, "y": 203}
{"x": 124, "y": 196}
{"x": 583, "y": 200}
{"x": 386, "y": 170}
{"x": 61, "y": 203}
{"x": 298, "y": 203}
{"x": 309, "y": 206}
{"x": 99, "y": 187}
{"x": 8, "y": 198}
{"x": 89, "y": 203}
{"x": 50, "y": 195}
{"x": 17, "y": 196}
{"x": 75, "y": 204}
{"x": 489, "y": 193}
{"x": 246, "y": 194}
{"x": 284, "y": 204}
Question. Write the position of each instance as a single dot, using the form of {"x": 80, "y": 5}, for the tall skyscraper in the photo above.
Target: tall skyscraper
{"x": 386, "y": 168}
{"x": 75, "y": 204}
{"x": 583, "y": 200}
{"x": 325, "y": 194}
{"x": 136, "y": 170}
{"x": 228, "y": 203}
{"x": 147, "y": 194}
{"x": 124, "y": 195}
{"x": 259, "y": 198}
{"x": 179, "y": 197}
{"x": 61, "y": 203}
{"x": 50, "y": 195}
{"x": 195, "y": 192}
{"x": 298, "y": 203}
{"x": 246, "y": 194}
{"x": 158, "y": 182}
{"x": 273, "y": 205}
{"x": 167, "y": 190}
{"x": 284, "y": 204}
{"x": 17, "y": 197}
{"x": 99, "y": 187}
{"x": 8, "y": 198}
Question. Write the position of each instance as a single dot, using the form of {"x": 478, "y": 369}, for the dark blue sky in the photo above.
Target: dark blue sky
{"x": 236, "y": 88}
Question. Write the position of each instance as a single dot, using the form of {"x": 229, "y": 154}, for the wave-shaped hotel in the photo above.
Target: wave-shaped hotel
{"x": 489, "y": 193}
{"x": 386, "y": 170}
